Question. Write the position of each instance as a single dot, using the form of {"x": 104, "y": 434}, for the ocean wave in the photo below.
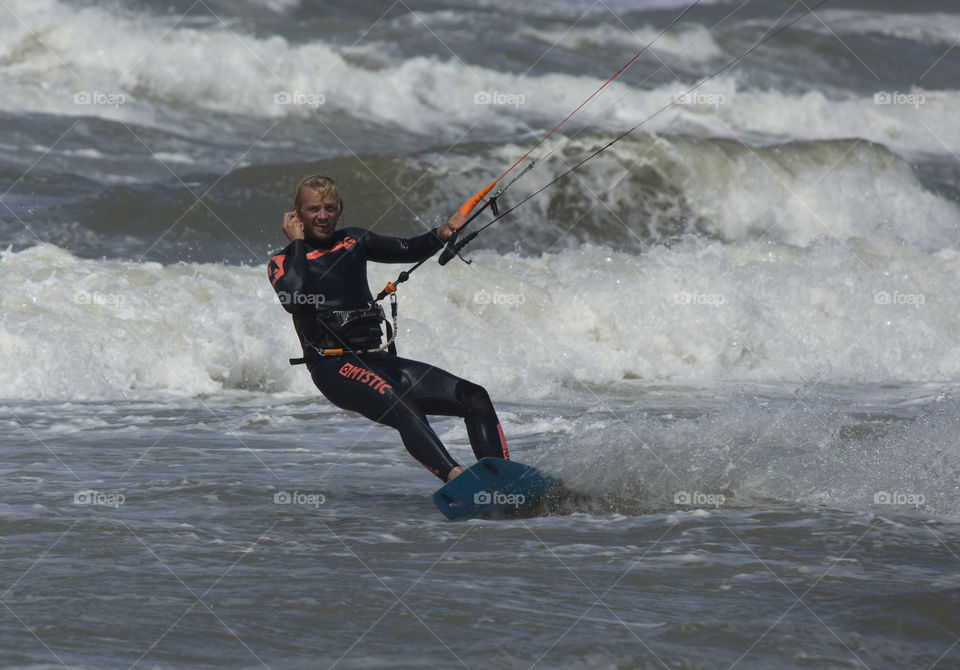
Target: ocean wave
{"x": 158, "y": 71}
{"x": 932, "y": 28}
{"x": 693, "y": 43}
{"x": 643, "y": 191}
{"x": 651, "y": 189}
{"x": 526, "y": 327}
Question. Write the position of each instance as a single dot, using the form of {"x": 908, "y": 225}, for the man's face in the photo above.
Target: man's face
{"x": 319, "y": 215}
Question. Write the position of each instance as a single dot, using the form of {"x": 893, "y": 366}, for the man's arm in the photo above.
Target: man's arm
{"x": 288, "y": 269}
{"x": 384, "y": 249}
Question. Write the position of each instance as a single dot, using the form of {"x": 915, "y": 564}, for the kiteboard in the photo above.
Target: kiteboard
{"x": 492, "y": 487}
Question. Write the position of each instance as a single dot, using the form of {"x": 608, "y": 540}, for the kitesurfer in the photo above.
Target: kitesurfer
{"x": 321, "y": 279}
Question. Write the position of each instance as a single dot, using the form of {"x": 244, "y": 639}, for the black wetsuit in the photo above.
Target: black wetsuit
{"x": 312, "y": 279}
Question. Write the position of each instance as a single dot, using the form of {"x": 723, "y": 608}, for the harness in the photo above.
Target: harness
{"x": 351, "y": 331}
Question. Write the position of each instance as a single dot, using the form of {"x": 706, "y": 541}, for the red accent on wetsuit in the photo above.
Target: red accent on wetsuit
{"x": 371, "y": 379}
{"x": 503, "y": 443}
{"x": 275, "y": 268}
{"x": 346, "y": 243}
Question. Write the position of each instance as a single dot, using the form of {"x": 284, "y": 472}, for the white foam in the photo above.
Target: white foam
{"x": 798, "y": 193}
{"x": 80, "y": 329}
{"x": 789, "y": 447}
{"x": 698, "y": 311}
{"x": 173, "y": 157}
{"x": 524, "y": 327}
{"x": 914, "y": 121}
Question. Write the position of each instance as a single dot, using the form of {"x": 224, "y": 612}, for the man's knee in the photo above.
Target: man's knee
{"x": 473, "y": 397}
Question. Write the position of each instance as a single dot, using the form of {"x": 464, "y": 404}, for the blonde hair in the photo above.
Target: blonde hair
{"x": 320, "y": 184}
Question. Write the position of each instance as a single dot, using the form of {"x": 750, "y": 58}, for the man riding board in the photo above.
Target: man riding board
{"x": 321, "y": 279}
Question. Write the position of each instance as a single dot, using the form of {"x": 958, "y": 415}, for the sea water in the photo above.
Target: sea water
{"x": 733, "y": 335}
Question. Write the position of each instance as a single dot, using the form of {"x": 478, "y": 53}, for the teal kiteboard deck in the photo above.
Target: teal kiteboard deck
{"x": 492, "y": 487}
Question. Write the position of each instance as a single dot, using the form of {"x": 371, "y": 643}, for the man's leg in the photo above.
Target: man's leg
{"x": 436, "y": 391}
{"x": 366, "y": 387}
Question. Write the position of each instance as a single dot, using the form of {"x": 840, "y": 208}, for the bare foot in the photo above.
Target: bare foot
{"x": 453, "y": 473}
